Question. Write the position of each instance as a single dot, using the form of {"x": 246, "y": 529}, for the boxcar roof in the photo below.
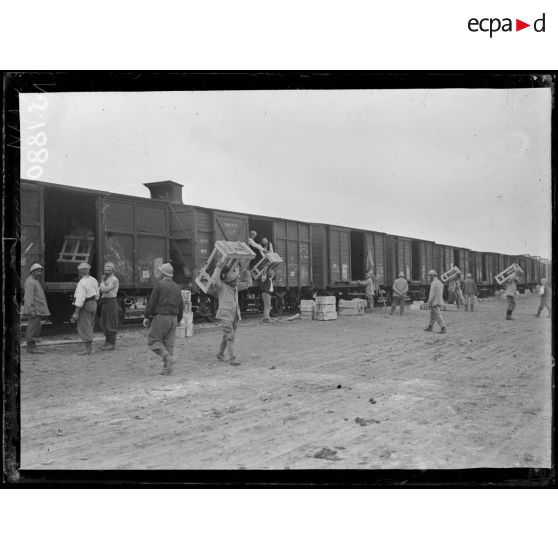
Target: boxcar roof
{"x": 104, "y": 193}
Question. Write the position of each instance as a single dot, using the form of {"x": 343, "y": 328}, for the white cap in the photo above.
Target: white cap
{"x": 166, "y": 269}
{"x": 84, "y": 265}
{"x": 36, "y": 266}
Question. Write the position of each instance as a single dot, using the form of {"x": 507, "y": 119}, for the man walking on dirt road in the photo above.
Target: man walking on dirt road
{"x": 470, "y": 292}
{"x": 164, "y": 310}
{"x": 86, "y": 296}
{"x": 34, "y": 307}
{"x": 511, "y": 293}
{"x": 435, "y": 301}
{"x": 400, "y": 288}
{"x": 544, "y": 292}
{"x": 109, "y": 309}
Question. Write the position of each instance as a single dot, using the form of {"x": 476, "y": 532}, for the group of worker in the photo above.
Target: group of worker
{"x": 87, "y": 295}
{"x": 165, "y": 307}
{"x": 466, "y": 296}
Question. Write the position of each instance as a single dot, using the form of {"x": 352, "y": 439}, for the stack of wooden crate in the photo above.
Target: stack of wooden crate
{"x": 307, "y": 309}
{"x": 185, "y": 328}
{"x": 354, "y": 307}
{"x": 324, "y": 308}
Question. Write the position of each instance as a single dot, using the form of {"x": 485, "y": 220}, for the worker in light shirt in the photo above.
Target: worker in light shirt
{"x": 544, "y": 292}
{"x": 267, "y": 293}
{"x": 109, "y": 308}
{"x": 85, "y": 301}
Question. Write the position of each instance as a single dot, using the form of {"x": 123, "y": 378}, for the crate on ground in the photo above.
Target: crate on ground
{"x": 354, "y": 307}
{"x": 325, "y": 300}
{"x": 307, "y": 309}
{"x": 325, "y": 308}
{"x": 323, "y": 316}
{"x": 185, "y": 327}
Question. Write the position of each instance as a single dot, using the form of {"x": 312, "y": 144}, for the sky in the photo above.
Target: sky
{"x": 464, "y": 167}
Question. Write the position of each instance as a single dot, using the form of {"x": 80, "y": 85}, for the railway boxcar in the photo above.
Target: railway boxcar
{"x": 331, "y": 256}
{"x": 62, "y": 226}
{"x": 194, "y": 230}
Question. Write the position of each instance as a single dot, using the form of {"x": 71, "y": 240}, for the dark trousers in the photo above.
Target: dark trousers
{"x": 33, "y": 330}
{"x": 398, "y": 300}
{"x": 229, "y": 332}
{"x": 109, "y": 319}
{"x": 511, "y": 305}
{"x": 267, "y": 305}
{"x": 86, "y": 321}
{"x": 162, "y": 335}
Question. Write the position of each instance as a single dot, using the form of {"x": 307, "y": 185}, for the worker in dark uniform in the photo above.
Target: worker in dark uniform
{"x": 109, "y": 307}
{"x": 34, "y": 307}
{"x": 164, "y": 310}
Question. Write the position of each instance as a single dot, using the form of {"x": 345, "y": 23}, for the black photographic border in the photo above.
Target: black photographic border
{"x": 98, "y": 81}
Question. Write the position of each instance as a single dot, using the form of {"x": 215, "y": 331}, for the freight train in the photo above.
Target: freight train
{"x": 63, "y": 225}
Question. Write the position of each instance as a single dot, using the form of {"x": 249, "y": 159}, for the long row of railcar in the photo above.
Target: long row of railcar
{"x": 138, "y": 234}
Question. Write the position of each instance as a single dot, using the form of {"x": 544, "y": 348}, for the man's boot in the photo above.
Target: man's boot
{"x": 428, "y": 328}
{"x": 222, "y": 347}
{"x": 169, "y": 361}
{"x": 508, "y": 315}
{"x": 444, "y": 330}
{"x": 31, "y": 348}
{"x": 110, "y": 342}
{"x": 234, "y": 361}
{"x": 87, "y": 349}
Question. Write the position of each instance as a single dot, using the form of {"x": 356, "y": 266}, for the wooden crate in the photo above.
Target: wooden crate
{"x": 326, "y": 300}
{"x": 325, "y": 316}
{"x": 234, "y": 252}
{"x": 270, "y": 261}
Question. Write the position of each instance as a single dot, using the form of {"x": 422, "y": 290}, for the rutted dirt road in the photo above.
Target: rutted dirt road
{"x": 365, "y": 392}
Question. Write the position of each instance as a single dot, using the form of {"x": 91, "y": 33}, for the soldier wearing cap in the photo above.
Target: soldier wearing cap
{"x": 470, "y": 291}
{"x": 85, "y": 301}
{"x": 109, "y": 308}
{"x": 435, "y": 301}
{"x": 164, "y": 310}
{"x": 400, "y": 288}
{"x": 34, "y": 307}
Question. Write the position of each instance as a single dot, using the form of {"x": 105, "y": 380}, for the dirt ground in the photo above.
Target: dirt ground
{"x": 364, "y": 392}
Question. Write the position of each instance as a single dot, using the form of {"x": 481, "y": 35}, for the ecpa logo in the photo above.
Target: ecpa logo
{"x": 492, "y": 25}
